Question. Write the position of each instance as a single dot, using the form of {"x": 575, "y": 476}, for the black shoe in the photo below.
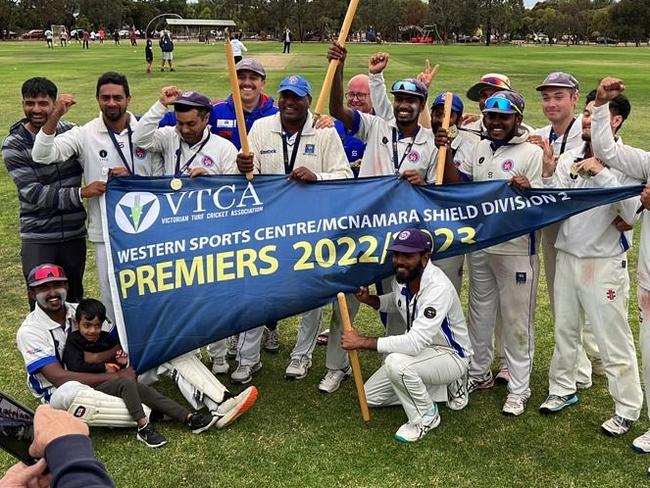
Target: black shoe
{"x": 199, "y": 423}
{"x": 150, "y": 437}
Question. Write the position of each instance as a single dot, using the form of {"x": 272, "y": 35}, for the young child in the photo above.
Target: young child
{"x": 90, "y": 337}
{"x": 148, "y": 54}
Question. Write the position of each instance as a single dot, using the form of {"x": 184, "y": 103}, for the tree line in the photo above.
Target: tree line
{"x": 572, "y": 21}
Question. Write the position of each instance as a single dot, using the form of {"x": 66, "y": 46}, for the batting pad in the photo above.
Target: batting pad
{"x": 189, "y": 371}
{"x": 98, "y": 409}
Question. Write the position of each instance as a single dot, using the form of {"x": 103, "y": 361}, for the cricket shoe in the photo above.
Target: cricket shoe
{"x": 515, "y": 404}
{"x": 412, "y": 432}
{"x": 642, "y": 443}
{"x": 503, "y": 376}
{"x": 149, "y": 437}
{"x": 244, "y": 373}
{"x": 232, "y": 341}
{"x": 230, "y": 410}
{"x": 484, "y": 382}
{"x": 272, "y": 341}
{"x": 298, "y": 368}
{"x": 556, "y": 403}
{"x": 220, "y": 366}
{"x": 333, "y": 379}
{"x": 457, "y": 394}
{"x": 200, "y": 423}
{"x": 323, "y": 338}
{"x": 616, "y": 426}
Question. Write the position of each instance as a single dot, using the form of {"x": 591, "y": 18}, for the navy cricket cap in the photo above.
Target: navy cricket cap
{"x": 411, "y": 241}
{"x": 295, "y": 84}
{"x": 193, "y": 99}
{"x": 456, "y": 102}
{"x": 505, "y": 102}
{"x": 45, "y": 273}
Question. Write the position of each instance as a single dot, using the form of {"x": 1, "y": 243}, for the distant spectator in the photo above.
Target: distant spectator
{"x": 237, "y": 48}
{"x": 86, "y": 40}
{"x": 167, "y": 48}
{"x": 287, "y": 41}
{"x": 102, "y": 36}
{"x": 49, "y": 37}
{"x": 134, "y": 38}
{"x": 116, "y": 37}
{"x": 63, "y": 37}
{"x": 148, "y": 54}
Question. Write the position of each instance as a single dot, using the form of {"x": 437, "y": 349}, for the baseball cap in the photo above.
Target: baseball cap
{"x": 249, "y": 64}
{"x": 193, "y": 99}
{"x": 296, "y": 84}
{"x": 559, "y": 79}
{"x": 505, "y": 102}
{"x": 411, "y": 241}
{"x": 488, "y": 80}
{"x": 410, "y": 86}
{"x": 45, "y": 273}
{"x": 456, "y": 102}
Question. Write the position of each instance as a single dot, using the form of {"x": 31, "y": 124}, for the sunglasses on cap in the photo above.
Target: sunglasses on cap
{"x": 498, "y": 82}
{"x": 407, "y": 86}
{"x": 501, "y": 104}
{"x": 45, "y": 274}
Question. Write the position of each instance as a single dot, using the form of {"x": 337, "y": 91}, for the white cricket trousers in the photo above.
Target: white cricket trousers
{"x": 599, "y": 288}
{"x": 508, "y": 283}
{"x": 101, "y": 260}
{"x": 588, "y": 347}
{"x": 643, "y": 296}
{"x": 415, "y": 382}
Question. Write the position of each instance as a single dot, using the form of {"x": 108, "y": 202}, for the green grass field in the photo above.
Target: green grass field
{"x": 294, "y": 436}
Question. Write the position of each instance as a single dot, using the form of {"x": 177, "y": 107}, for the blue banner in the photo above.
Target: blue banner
{"x": 222, "y": 255}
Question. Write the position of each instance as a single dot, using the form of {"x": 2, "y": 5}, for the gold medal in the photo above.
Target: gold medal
{"x": 176, "y": 184}
{"x": 453, "y": 131}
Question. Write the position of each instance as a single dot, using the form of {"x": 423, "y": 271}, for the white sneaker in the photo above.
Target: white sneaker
{"x": 642, "y": 443}
{"x": 231, "y": 352}
{"x": 616, "y": 426}
{"x": 231, "y": 409}
{"x": 244, "y": 374}
{"x": 272, "y": 341}
{"x": 457, "y": 394}
{"x": 298, "y": 368}
{"x": 411, "y": 432}
{"x": 515, "y": 404}
{"x": 333, "y": 379}
{"x": 555, "y": 403}
{"x": 220, "y": 365}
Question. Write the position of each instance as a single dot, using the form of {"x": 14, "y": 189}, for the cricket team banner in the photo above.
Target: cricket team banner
{"x": 223, "y": 255}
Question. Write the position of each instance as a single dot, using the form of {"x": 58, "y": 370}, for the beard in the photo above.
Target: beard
{"x": 403, "y": 276}
{"x": 113, "y": 114}
{"x": 42, "y": 297}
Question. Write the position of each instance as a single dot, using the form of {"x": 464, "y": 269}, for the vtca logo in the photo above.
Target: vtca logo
{"x": 137, "y": 211}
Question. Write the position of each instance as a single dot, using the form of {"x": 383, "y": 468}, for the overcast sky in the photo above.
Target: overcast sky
{"x": 530, "y": 3}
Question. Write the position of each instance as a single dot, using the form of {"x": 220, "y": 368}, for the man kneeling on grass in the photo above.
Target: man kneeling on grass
{"x": 434, "y": 351}
{"x": 89, "y": 337}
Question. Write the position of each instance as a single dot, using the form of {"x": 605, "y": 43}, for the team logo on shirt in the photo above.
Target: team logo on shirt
{"x": 481, "y": 159}
{"x": 207, "y": 162}
{"x": 430, "y": 312}
{"x": 103, "y": 153}
{"x": 413, "y": 156}
{"x": 137, "y": 211}
{"x": 140, "y": 153}
{"x": 310, "y": 149}
{"x": 507, "y": 165}
{"x": 611, "y": 295}
{"x": 520, "y": 278}
{"x": 384, "y": 140}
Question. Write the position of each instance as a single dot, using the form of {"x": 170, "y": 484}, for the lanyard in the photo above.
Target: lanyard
{"x": 178, "y": 171}
{"x": 553, "y": 136}
{"x": 410, "y": 312}
{"x": 289, "y": 164}
{"x": 397, "y": 164}
{"x": 111, "y": 134}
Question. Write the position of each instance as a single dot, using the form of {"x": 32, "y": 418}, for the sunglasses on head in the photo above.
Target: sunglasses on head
{"x": 501, "y": 104}
{"x": 405, "y": 85}
{"x": 496, "y": 82}
{"x": 48, "y": 271}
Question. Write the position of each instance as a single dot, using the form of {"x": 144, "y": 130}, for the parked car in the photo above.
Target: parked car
{"x": 33, "y": 34}
{"x": 606, "y": 40}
